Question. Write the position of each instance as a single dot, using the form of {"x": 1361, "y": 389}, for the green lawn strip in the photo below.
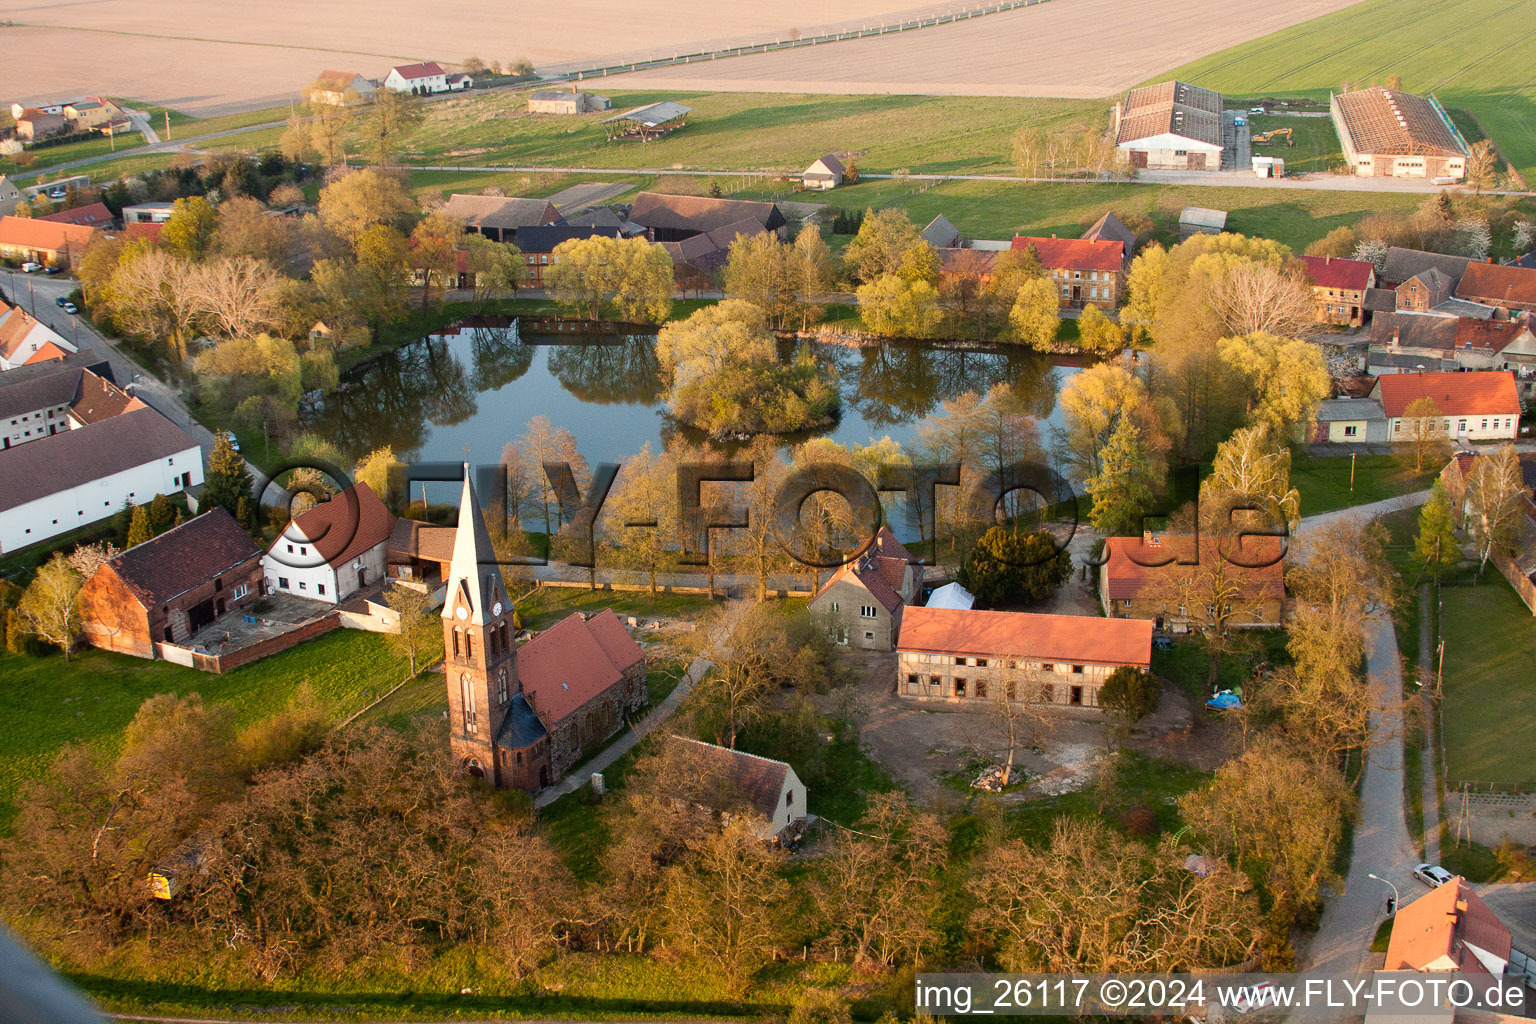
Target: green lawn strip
{"x": 548, "y": 605}
{"x": 1383, "y": 936}
{"x": 1187, "y": 664}
{"x": 1490, "y": 685}
{"x": 1324, "y": 481}
{"x": 127, "y": 165}
{"x": 1473, "y": 860}
{"x": 1365, "y": 42}
{"x": 260, "y": 139}
{"x": 52, "y": 156}
{"x": 51, "y": 703}
{"x": 1314, "y": 143}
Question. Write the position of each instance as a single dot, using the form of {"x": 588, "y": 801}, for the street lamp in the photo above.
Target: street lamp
{"x": 1392, "y": 905}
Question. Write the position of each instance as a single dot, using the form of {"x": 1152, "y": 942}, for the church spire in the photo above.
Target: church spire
{"x": 476, "y": 592}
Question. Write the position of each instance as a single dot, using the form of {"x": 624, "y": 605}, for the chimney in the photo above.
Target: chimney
{"x": 1327, "y": 258}
{"x": 1053, "y": 234}
{"x": 1397, "y": 333}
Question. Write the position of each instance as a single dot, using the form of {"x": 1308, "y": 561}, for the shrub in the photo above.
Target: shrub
{"x": 820, "y": 1006}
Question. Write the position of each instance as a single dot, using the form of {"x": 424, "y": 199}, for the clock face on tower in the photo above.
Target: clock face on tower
{"x": 462, "y": 613}
{"x": 496, "y": 608}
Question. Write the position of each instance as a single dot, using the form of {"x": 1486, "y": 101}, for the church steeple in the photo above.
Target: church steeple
{"x": 474, "y": 575}
{"x": 479, "y": 655}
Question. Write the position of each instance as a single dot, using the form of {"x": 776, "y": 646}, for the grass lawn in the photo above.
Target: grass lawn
{"x": 95, "y": 146}
{"x": 1142, "y": 782}
{"x": 50, "y": 703}
{"x": 773, "y": 132}
{"x": 548, "y": 605}
{"x": 1490, "y": 685}
{"x": 1187, "y": 664}
{"x": 1324, "y": 481}
{"x": 1316, "y": 143}
{"x": 1460, "y": 55}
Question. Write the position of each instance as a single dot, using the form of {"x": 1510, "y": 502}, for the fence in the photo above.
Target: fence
{"x": 218, "y": 664}
{"x": 863, "y": 32}
{"x": 662, "y": 588}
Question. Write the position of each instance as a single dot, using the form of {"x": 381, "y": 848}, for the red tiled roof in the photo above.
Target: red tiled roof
{"x": 36, "y": 233}
{"x": 93, "y": 215}
{"x": 1488, "y": 335}
{"x": 1074, "y": 253}
{"x": 1071, "y": 638}
{"x": 1443, "y": 923}
{"x": 184, "y": 557}
{"x": 1327, "y": 272}
{"x": 150, "y": 232}
{"x": 880, "y": 565}
{"x": 341, "y": 529}
{"x": 1126, "y": 578}
{"x": 570, "y": 663}
{"x": 1494, "y": 283}
{"x": 97, "y": 399}
{"x": 1485, "y": 392}
{"x": 46, "y": 351}
{"x": 426, "y": 70}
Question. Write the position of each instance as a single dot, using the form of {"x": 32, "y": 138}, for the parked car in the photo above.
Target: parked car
{"x": 1239, "y": 120}
{"x": 31, "y": 268}
{"x": 1254, "y": 997}
{"x": 71, "y": 308}
{"x": 60, "y": 301}
{"x": 1432, "y": 875}
{"x": 234, "y": 442}
{"x": 1255, "y": 110}
{"x": 57, "y": 193}
{"x": 1163, "y": 643}
{"x": 51, "y": 270}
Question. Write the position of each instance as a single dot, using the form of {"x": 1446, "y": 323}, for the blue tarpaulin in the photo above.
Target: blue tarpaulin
{"x": 1226, "y": 700}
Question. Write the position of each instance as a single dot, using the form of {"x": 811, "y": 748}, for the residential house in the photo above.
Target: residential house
{"x": 941, "y": 234}
{"x": 1169, "y": 126}
{"x": 698, "y": 259}
{"x": 1410, "y": 342}
{"x": 1449, "y": 928}
{"x": 342, "y": 89}
{"x": 1517, "y": 352}
{"x": 1132, "y": 580}
{"x": 36, "y": 399}
{"x": 77, "y": 477}
{"x": 44, "y": 241}
{"x": 732, "y": 778}
{"x": 562, "y": 101}
{"x": 419, "y": 79}
{"x": 1110, "y": 228}
{"x": 972, "y": 263}
{"x": 669, "y": 218}
{"x": 1402, "y": 264}
{"x": 1351, "y": 421}
{"x": 1085, "y": 273}
{"x": 91, "y": 114}
{"x": 865, "y": 599}
{"x": 93, "y": 215}
{"x": 1507, "y": 287}
{"x": 1478, "y": 406}
{"x": 1425, "y": 290}
{"x": 33, "y": 124}
{"x": 1482, "y": 344}
{"x": 1339, "y": 286}
{"x": 824, "y": 173}
{"x": 1519, "y": 569}
{"x": 25, "y": 340}
{"x": 148, "y": 213}
{"x": 499, "y": 217}
{"x": 140, "y": 231}
{"x": 166, "y": 589}
{"x": 648, "y": 123}
{"x": 10, "y": 196}
{"x": 538, "y": 245}
{"x": 1201, "y": 220}
{"x": 1390, "y": 133}
{"x": 333, "y": 550}
{"x": 522, "y": 717}
{"x": 958, "y": 655}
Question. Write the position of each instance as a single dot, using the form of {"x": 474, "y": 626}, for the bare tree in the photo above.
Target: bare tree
{"x": 240, "y": 296}
{"x": 1496, "y": 501}
{"x": 1253, "y": 296}
{"x": 158, "y": 295}
{"x": 1013, "y": 719}
{"x": 1427, "y": 434}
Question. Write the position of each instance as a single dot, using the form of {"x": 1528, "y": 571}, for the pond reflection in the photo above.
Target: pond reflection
{"x": 479, "y": 383}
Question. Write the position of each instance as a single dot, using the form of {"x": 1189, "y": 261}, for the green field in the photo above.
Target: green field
{"x": 1316, "y": 148}
{"x": 1468, "y": 53}
{"x": 52, "y": 156}
{"x": 50, "y": 704}
{"x": 1324, "y": 482}
{"x": 1490, "y": 684}
{"x": 772, "y": 132}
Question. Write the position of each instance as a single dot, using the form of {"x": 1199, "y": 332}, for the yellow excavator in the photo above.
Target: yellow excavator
{"x": 1264, "y": 138}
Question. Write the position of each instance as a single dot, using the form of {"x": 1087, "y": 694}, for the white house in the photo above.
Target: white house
{"x": 771, "y": 788}
{"x": 1481, "y": 405}
{"x": 49, "y": 398}
{"x": 418, "y": 78}
{"x": 76, "y": 477}
{"x": 148, "y": 213}
{"x": 827, "y": 172}
{"x": 332, "y": 551}
{"x": 25, "y": 340}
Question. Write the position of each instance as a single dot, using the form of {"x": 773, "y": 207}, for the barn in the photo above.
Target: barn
{"x": 1171, "y": 126}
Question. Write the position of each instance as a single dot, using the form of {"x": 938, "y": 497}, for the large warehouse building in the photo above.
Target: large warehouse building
{"x": 1170, "y": 126}
{"x": 1386, "y": 133}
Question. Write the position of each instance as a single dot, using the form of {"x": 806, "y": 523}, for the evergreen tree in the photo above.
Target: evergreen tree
{"x": 1131, "y": 691}
{"x": 123, "y": 520}
{"x": 1436, "y": 545}
{"x": 228, "y": 483}
{"x": 1006, "y": 567}
{"x": 140, "y": 529}
{"x": 1122, "y": 491}
{"x": 161, "y": 513}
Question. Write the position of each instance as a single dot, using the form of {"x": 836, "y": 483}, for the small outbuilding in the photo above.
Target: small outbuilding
{"x": 951, "y": 595}
{"x": 560, "y": 101}
{"x": 1199, "y": 220}
{"x": 826, "y": 172}
{"x": 655, "y": 121}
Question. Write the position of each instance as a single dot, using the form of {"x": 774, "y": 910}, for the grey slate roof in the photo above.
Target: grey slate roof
{"x": 1380, "y": 300}
{"x": 1464, "y": 309}
{"x": 53, "y": 385}
{"x": 521, "y": 728}
{"x": 1333, "y": 409}
{"x": 503, "y": 212}
{"x": 1401, "y": 264}
{"x": 1110, "y": 228}
{"x": 941, "y": 234}
{"x": 1414, "y": 330}
{"x": 653, "y": 115}
{"x": 61, "y": 461}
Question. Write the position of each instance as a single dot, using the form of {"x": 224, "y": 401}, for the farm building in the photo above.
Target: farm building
{"x": 1387, "y": 133}
{"x": 342, "y": 89}
{"x": 670, "y": 218}
{"x": 647, "y": 123}
{"x": 1085, "y": 273}
{"x": 1350, "y": 421}
{"x": 45, "y": 241}
{"x": 499, "y": 217}
{"x": 1138, "y": 579}
{"x": 538, "y": 245}
{"x": 941, "y": 234}
{"x": 1170, "y": 126}
{"x": 724, "y": 780}
{"x": 1200, "y": 220}
{"x": 827, "y": 172}
{"x": 1511, "y": 288}
{"x": 561, "y": 101}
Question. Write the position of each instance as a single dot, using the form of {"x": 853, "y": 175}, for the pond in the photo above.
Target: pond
{"x": 478, "y": 384}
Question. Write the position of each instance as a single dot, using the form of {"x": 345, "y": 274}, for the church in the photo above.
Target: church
{"x": 521, "y": 717}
